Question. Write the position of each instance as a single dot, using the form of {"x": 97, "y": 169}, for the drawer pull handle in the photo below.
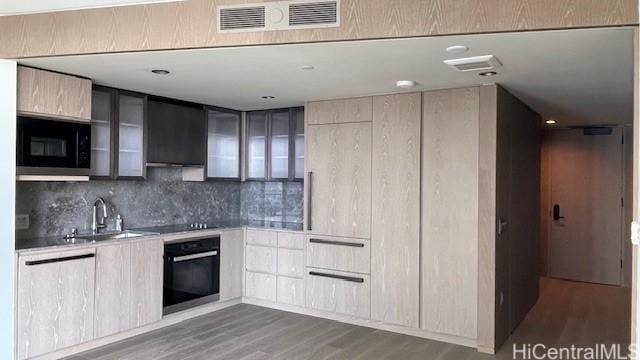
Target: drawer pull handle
{"x": 55, "y": 260}
{"x": 332, "y": 242}
{"x": 309, "y": 200}
{"x": 339, "y": 277}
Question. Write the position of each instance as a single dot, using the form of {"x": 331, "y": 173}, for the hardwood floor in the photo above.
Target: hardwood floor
{"x": 567, "y": 313}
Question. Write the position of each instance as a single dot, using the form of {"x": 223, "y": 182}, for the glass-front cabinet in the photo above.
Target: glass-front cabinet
{"x": 275, "y": 144}
{"x": 223, "y": 143}
{"x": 117, "y": 134}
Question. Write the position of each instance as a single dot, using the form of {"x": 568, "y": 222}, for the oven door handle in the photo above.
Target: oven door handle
{"x": 195, "y": 256}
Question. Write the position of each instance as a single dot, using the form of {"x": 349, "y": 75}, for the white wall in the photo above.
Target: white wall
{"x": 7, "y": 205}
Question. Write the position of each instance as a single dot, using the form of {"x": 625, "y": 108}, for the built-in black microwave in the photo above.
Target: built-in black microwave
{"x": 52, "y": 147}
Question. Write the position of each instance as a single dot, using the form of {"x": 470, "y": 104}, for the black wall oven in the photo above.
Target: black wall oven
{"x": 52, "y": 147}
{"x": 191, "y": 273}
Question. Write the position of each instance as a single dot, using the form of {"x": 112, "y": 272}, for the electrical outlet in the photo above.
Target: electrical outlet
{"x": 22, "y": 222}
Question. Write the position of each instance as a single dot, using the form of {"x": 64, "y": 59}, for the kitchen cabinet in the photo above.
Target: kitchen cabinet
{"x": 449, "y": 249}
{"x": 55, "y": 301}
{"x": 177, "y": 133}
{"x": 223, "y": 143}
{"x": 146, "y": 281}
{"x": 113, "y": 289}
{"x": 275, "y": 266}
{"x": 275, "y": 144}
{"x": 339, "y": 179}
{"x": 340, "y": 111}
{"x": 56, "y": 95}
{"x": 231, "y": 264}
{"x": 342, "y": 254}
{"x": 118, "y": 120}
{"x": 338, "y": 292}
{"x": 395, "y": 234}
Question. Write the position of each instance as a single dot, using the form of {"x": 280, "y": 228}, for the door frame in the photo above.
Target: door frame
{"x": 8, "y": 93}
{"x": 547, "y": 202}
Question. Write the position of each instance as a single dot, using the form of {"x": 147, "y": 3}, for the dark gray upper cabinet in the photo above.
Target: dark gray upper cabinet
{"x": 275, "y": 145}
{"x": 177, "y": 133}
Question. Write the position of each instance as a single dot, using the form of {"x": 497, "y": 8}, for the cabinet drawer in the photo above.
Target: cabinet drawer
{"x": 340, "y": 254}
{"x": 291, "y": 262}
{"x": 290, "y": 291}
{"x": 260, "y": 237}
{"x": 260, "y": 286}
{"x": 338, "y": 292}
{"x": 262, "y": 258}
{"x": 291, "y": 241}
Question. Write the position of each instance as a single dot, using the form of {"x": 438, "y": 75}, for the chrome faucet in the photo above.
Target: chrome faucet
{"x": 95, "y": 224}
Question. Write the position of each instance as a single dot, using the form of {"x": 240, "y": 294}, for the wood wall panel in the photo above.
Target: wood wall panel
{"x": 449, "y": 253}
{"x": 395, "y": 233}
{"x": 192, "y": 24}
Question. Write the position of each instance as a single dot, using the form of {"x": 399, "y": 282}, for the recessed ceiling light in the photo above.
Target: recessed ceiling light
{"x": 160, "y": 72}
{"x": 457, "y": 49}
{"x": 488, "y": 73}
{"x": 550, "y": 121}
{"x": 405, "y": 84}
{"x": 268, "y": 97}
{"x": 308, "y": 67}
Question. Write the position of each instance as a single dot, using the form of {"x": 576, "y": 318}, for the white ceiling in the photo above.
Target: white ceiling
{"x": 577, "y": 77}
{"x": 14, "y": 7}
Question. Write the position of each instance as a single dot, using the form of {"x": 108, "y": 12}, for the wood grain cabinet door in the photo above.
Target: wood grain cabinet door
{"x": 48, "y": 93}
{"x": 231, "y": 263}
{"x": 146, "y": 281}
{"x": 339, "y": 165}
{"x": 395, "y": 237}
{"x": 113, "y": 289}
{"x": 55, "y": 301}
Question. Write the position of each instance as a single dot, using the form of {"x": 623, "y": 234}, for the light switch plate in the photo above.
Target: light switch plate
{"x": 22, "y": 222}
{"x": 635, "y": 233}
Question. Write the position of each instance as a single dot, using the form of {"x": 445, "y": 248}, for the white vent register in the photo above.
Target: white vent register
{"x": 279, "y": 15}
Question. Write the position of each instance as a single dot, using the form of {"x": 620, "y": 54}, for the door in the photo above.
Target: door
{"x": 586, "y": 205}
{"x": 55, "y": 301}
{"x": 339, "y": 165}
{"x": 146, "y": 281}
{"x": 113, "y": 289}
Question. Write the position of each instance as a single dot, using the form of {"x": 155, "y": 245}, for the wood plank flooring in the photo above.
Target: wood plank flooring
{"x": 567, "y": 313}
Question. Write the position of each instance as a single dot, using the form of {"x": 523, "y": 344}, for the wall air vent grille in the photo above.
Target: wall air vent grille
{"x": 325, "y": 12}
{"x": 477, "y": 63}
{"x": 278, "y": 15}
{"x": 242, "y": 18}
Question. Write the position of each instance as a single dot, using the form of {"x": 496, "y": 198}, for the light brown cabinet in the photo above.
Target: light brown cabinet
{"x": 339, "y": 179}
{"x": 113, "y": 289}
{"x": 146, "y": 281}
{"x": 449, "y": 251}
{"x": 339, "y": 111}
{"x": 55, "y": 301}
{"x": 395, "y": 234}
{"x": 231, "y": 263}
{"x": 47, "y": 93}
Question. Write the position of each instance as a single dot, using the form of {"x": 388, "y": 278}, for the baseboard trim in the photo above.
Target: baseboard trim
{"x": 426, "y": 334}
{"x": 167, "y": 320}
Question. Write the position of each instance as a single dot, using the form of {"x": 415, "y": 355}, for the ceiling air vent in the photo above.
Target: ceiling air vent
{"x": 278, "y": 15}
{"x": 241, "y": 18}
{"x": 311, "y": 13}
{"x": 476, "y": 63}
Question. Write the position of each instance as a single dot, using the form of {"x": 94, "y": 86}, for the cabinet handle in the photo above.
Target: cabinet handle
{"x": 339, "y": 277}
{"x": 55, "y": 260}
{"x": 309, "y": 199}
{"x": 340, "y": 243}
{"x": 195, "y": 256}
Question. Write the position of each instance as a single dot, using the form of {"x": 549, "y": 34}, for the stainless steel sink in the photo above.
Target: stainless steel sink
{"x": 116, "y": 235}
